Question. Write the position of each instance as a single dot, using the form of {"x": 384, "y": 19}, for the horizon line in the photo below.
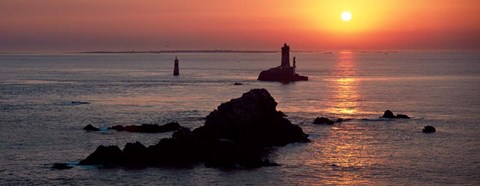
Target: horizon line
{"x": 220, "y": 51}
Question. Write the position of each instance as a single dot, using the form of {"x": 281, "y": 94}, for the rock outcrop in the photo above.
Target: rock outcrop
{"x": 326, "y": 121}
{"x": 323, "y": 121}
{"x": 148, "y": 128}
{"x": 429, "y": 129}
{"x": 90, "y": 128}
{"x": 236, "y": 134}
{"x": 144, "y": 128}
{"x": 389, "y": 114}
{"x": 251, "y": 119}
{"x": 61, "y": 166}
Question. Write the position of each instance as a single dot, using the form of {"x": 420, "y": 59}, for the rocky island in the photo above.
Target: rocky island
{"x": 283, "y": 73}
{"x": 236, "y": 134}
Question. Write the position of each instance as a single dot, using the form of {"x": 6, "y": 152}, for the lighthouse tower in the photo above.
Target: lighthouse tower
{"x": 285, "y": 56}
{"x": 176, "y": 71}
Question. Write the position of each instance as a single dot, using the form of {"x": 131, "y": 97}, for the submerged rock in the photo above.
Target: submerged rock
{"x": 429, "y": 129}
{"x": 79, "y": 102}
{"x": 148, "y": 128}
{"x": 389, "y": 114}
{"x": 236, "y": 134}
{"x": 323, "y": 121}
{"x": 402, "y": 116}
{"x": 237, "y": 83}
{"x": 61, "y": 166}
{"x": 90, "y": 128}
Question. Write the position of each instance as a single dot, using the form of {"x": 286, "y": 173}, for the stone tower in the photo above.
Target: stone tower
{"x": 285, "y": 56}
{"x": 176, "y": 71}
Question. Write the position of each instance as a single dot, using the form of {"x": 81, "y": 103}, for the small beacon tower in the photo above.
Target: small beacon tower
{"x": 176, "y": 71}
{"x": 285, "y": 56}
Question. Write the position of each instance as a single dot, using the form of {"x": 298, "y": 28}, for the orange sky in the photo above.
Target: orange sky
{"x": 80, "y": 25}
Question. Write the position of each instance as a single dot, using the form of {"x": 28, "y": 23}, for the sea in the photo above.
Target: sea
{"x": 41, "y": 118}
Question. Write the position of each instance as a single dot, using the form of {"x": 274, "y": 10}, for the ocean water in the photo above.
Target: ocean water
{"x": 40, "y": 126}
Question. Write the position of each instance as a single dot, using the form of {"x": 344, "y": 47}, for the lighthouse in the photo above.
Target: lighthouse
{"x": 285, "y": 56}
{"x": 283, "y": 73}
{"x": 176, "y": 71}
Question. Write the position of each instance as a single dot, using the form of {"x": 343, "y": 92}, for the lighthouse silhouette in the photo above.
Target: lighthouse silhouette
{"x": 176, "y": 71}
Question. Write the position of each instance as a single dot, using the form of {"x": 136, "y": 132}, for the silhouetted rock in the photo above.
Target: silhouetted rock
{"x": 234, "y": 135}
{"x": 148, "y": 128}
{"x": 323, "y": 121}
{"x": 237, "y": 83}
{"x": 61, "y": 166}
{"x": 389, "y": 114}
{"x": 183, "y": 133}
{"x": 90, "y": 128}
{"x": 402, "y": 116}
{"x": 429, "y": 129}
{"x": 251, "y": 119}
{"x": 79, "y": 102}
{"x": 106, "y": 155}
{"x": 135, "y": 153}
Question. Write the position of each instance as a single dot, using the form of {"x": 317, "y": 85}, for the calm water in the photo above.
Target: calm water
{"x": 40, "y": 126}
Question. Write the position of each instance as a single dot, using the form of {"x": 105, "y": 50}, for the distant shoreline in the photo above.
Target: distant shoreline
{"x": 180, "y": 51}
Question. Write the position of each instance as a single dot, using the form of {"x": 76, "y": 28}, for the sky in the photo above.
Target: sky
{"x": 116, "y": 25}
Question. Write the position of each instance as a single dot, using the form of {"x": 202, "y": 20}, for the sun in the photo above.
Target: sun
{"x": 346, "y": 16}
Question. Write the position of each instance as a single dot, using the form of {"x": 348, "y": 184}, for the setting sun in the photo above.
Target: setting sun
{"x": 346, "y": 16}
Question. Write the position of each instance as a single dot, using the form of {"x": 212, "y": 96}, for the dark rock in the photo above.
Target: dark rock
{"x": 251, "y": 119}
{"x": 90, "y": 128}
{"x": 79, "y": 102}
{"x": 236, "y": 134}
{"x": 429, "y": 129}
{"x": 106, "y": 155}
{"x": 229, "y": 154}
{"x": 281, "y": 75}
{"x": 323, "y": 121}
{"x": 402, "y": 116}
{"x": 61, "y": 166}
{"x": 148, "y": 128}
{"x": 388, "y": 114}
{"x": 135, "y": 153}
{"x": 237, "y": 83}
{"x": 176, "y": 152}
{"x": 183, "y": 133}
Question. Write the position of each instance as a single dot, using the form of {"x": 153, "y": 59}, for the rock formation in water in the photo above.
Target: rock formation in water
{"x": 148, "y": 128}
{"x": 61, "y": 166}
{"x": 323, "y": 121}
{"x": 429, "y": 129}
{"x": 284, "y": 72}
{"x": 90, "y": 128}
{"x": 144, "y": 128}
{"x": 236, "y": 134}
{"x": 389, "y": 114}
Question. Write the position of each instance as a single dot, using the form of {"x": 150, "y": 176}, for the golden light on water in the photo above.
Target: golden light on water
{"x": 346, "y": 92}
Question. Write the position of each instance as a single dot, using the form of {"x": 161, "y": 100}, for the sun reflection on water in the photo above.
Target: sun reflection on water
{"x": 345, "y": 93}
